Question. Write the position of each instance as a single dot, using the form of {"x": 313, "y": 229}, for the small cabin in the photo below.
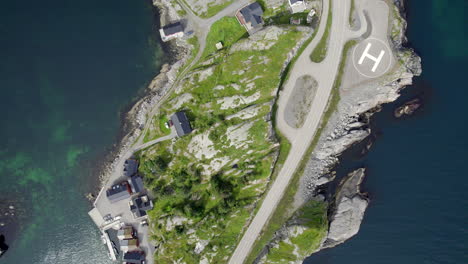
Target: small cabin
{"x": 129, "y": 245}
{"x": 171, "y": 31}
{"x": 181, "y": 124}
{"x": 125, "y": 233}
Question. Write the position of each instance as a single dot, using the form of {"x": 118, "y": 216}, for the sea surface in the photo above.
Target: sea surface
{"x": 68, "y": 69}
{"x": 417, "y": 169}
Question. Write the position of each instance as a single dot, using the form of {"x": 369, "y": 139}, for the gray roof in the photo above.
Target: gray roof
{"x": 130, "y": 167}
{"x": 137, "y": 184}
{"x": 173, "y": 29}
{"x": 181, "y": 123}
{"x": 118, "y": 192}
{"x": 134, "y": 257}
{"x": 140, "y": 206}
{"x": 253, "y": 14}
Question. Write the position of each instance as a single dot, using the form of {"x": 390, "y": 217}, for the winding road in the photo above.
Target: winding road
{"x": 325, "y": 73}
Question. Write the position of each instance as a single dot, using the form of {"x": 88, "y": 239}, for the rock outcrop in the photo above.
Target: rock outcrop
{"x": 349, "y": 125}
{"x": 348, "y": 210}
{"x": 407, "y": 108}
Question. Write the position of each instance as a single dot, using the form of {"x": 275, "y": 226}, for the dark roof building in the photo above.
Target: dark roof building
{"x": 118, "y": 192}
{"x": 181, "y": 123}
{"x": 140, "y": 205}
{"x": 130, "y": 167}
{"x": 134, "y": 257}
{"x": 136, "y": 183}
{"x": 171, "y": 31}
{"x": 250, "y": 17}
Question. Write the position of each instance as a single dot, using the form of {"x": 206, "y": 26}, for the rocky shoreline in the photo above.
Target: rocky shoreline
{"x": 348, "y": 126}
{"x": 133, "y": 120}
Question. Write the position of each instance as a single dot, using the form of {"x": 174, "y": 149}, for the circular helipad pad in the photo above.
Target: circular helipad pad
{"x": 372, "y": 57}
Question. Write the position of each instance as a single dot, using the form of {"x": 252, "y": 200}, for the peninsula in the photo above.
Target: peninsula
{"x": 231, "y": 150}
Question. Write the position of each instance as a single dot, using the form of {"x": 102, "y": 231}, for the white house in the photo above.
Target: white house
{"x": 297, "y": 6}
{"x": 171, "y": 31}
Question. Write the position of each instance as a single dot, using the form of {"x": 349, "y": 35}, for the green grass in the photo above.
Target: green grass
{"x": 216, "y": 204}
{"x": 351, "y": 13}
{"x": 282, "y": 211}
{"x": 320, "y": 51}
{"x": 312, "y": 217}
{"x": 214, "y": 9}
{"x": 196, "y": 48}
{"x": 283, "y": 18}
{"x": 284, "y": 253}
{"x": 227, "y": 30}
{"x": 269, "y": 12}
{"x": 158, "y": 128}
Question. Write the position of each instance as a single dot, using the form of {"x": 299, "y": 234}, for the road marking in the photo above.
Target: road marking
{"x": 366, "y": 54}
{"x": 369, "y": 65}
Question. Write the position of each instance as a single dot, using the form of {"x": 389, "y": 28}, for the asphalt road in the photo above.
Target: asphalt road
{"x": 300, "y": 138}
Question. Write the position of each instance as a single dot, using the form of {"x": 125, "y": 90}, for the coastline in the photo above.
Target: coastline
{"x": 350, "y": 126}
{"x": 133, "y": 116}
{"x": 349, "y": 129}
{"x": 323, "y": 158}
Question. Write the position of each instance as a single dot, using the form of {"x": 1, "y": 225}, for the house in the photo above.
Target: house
{"x": 134, "y": 257}
{"x": 181, "y": 123}
{"x": 140, "y": 205}
{"x": 118, "y": 192}
{"x": 130, "y": 167}
{"x": 136, "y": 184}
{"x": 171, "y": 31}
{"x": 297, "y": 6}
{"x": 250, "y": 17}
{"x": 129, "y": 245}
{"x": 125, "y": 233}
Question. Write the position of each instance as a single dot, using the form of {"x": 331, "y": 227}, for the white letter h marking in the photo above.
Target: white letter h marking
{"x": 366, "y": 54}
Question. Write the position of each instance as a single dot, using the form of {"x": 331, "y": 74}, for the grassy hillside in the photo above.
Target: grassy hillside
{"x": 206, "y": 183}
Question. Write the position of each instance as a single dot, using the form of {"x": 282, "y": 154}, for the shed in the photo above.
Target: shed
{"x": 171, "y": 31}
{"x": 125, "y": 233}
{"x": 129, "y": 245}
{"x": 181, "y": 123}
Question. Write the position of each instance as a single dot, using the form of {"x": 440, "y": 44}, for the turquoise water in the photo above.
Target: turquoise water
{"x": 417, "y": 177}
{"x": 68, "y": 68}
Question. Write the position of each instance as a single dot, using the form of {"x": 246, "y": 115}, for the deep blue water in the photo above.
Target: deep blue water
{"x": 417, "y": 177}
{"x": 67, "y": 69}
